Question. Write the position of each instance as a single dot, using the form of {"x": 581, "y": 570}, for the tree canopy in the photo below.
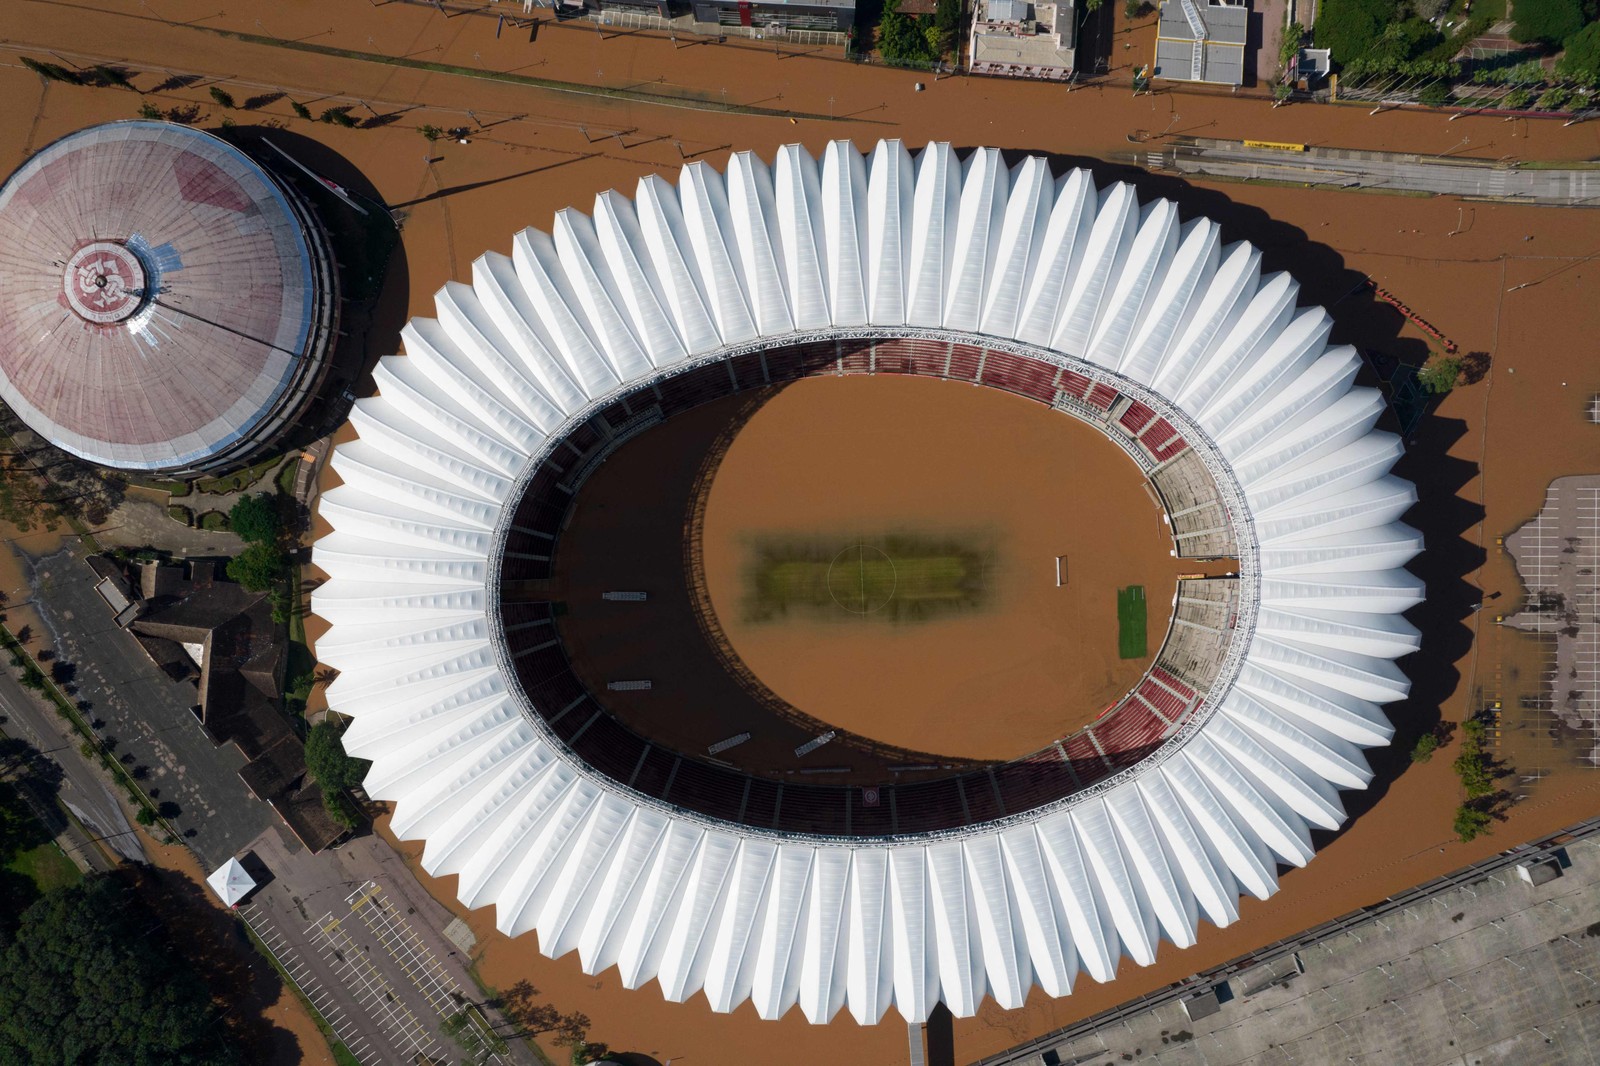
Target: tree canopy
{"x": 1546, "y": 21}
{"x": 84, "y": 981}
{"x": 1349, "y": 28}
{"x": 259, "y": 566}
{"x": 1581, "y": 61}
{"x": 326, "y": 758}
{"x": 256, "y": 519}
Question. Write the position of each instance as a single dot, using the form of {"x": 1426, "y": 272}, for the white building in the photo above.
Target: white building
{"x": 1132, "y": 313}
{"x": 1018, "y": 39}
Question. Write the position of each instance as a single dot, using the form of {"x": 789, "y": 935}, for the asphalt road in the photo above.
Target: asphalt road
{"x": 82, "y": 787}
{"x": 146, "y": 712}
{"x": 1348, "y": 168}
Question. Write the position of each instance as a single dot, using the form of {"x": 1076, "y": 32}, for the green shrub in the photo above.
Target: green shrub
{"x": 150, "y": 111}
{"x": 300, "y": 110}
{"x": 146, "y": 816}
{"x": 1425, "y": 747}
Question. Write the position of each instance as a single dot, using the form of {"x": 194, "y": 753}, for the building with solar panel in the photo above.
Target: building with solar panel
{"x": 168, "y": 306}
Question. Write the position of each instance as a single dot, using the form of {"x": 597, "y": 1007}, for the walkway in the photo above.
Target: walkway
{"x": 1348, "y": 168}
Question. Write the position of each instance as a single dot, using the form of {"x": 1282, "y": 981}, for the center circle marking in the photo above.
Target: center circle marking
{"x": 104, "y": 282}
{"x": 860, "y": 578}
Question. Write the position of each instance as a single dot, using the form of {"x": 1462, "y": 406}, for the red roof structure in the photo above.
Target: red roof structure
{"x": 168, "y": 304}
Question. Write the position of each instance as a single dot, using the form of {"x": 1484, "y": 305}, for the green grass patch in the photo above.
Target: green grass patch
{"x": 896, "y": 578}
{"x": 239, "y": 479}
{"x": 285, "y": 478}
{"x": 1132, "y": 640}
{"x": 46, "y": 866}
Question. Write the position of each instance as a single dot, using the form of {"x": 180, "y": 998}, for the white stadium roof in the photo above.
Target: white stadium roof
{"x": 895, "y": 245}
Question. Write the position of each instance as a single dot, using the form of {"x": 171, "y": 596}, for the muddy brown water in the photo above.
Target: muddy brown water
{"x": 1515, "y": 281}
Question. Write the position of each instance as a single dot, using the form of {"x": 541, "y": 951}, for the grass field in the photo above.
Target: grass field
{"x": 45, "y": 866}
{"x": 1132, "y": 641}
{"x": 896, "y": 578}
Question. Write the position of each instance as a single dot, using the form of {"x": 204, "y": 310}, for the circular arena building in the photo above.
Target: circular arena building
{"x": 168, "y": 306}
{"x": 555, "y": 631}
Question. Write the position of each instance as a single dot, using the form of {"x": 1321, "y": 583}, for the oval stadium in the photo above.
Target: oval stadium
{"x": 867, "y": 582}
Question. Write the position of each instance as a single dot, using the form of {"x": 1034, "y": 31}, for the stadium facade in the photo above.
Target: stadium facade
{"x": 1252, "y": 719}
{"x": 169, "y": 306}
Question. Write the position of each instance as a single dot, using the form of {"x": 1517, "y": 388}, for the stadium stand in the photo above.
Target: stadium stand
{"x": 1157, "y": 707}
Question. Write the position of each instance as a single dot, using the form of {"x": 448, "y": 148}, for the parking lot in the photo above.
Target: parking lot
{"x": 364, "y": 951}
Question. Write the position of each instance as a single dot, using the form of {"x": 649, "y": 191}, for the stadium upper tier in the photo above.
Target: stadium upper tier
{"x": 1174, "y": 341}
{"x": 168, "y": 305}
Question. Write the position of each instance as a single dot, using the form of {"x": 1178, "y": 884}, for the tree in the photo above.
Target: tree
{"x": 1517, "y": 99}
{"x": 1546, "y": 21}
{"x": 1349, "y": 28}
{"x": 1471, "y": 822}
{"x": 430, "y": 133}
{"x": 533, "y": 1019}
{"x": 1426, "y": 744}
{"x": 1581, "y": 61}
{"x": 901, "y": 38}
{"x": 327, "y": 761}
{"x": 256, "y": 519}
{"x": 1552, "y": 98}
{"x": 259, "y": 566}
{"x": 83, "y": 980}
{"x": 1439, "y": 376}
{"x": 1435, "y": 94}
{"x": 222, "y": 96}
{"x": 300, "y": 110}
{"x": 947, "y": 16}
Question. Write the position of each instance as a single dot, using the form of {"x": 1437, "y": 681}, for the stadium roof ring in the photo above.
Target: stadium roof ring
{"x": 855, "y": 258}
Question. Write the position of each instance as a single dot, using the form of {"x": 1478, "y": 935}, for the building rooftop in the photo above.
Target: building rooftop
{"x": 163, "y": 297}
{"x": 1200, "y": 41}
{"x": 1017, "y": 38}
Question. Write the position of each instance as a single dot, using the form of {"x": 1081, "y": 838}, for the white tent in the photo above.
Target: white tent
{"x": 231, "y": 882}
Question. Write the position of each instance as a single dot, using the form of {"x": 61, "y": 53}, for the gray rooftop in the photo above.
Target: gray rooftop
{"x": 1224, "y": 23}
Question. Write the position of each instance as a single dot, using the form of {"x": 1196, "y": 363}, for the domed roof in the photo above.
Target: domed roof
{"x": 1143, "y": 320}
{"x": 162, "y": 296}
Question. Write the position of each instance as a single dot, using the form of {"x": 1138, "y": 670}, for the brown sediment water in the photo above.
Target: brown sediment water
{"x": 857, "y": 460}
{"x": 1514, "y": 281}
